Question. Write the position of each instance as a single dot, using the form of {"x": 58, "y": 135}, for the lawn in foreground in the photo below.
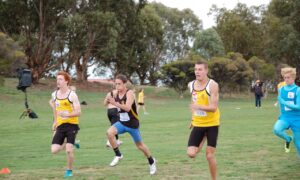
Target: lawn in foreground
{"x": 246, "y": 149}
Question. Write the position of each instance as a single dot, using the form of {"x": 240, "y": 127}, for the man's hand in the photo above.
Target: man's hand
{"x": 111, "y": 100}
{"x": 194, "y": 107}
{"x": 63, "y": 114}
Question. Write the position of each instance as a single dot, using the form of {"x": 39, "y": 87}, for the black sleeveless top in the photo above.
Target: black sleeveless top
{"x": 129, "y": 119}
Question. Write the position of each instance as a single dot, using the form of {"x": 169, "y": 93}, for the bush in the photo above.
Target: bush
{"x": 2, "y": 81}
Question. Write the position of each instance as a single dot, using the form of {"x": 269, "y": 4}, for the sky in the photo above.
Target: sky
{"x": 201, "y": 7}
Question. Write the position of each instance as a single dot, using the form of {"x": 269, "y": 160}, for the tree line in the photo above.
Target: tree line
{"x": 150, "y": 41}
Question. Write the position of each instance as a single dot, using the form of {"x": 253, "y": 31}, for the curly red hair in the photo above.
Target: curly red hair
{"x": 65, "y": 75}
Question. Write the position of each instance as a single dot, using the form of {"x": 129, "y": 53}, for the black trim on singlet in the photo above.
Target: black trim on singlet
{"x": 134, "y": 121}
{"x": 63, "y": 98}
{"x": 201, "y": 89}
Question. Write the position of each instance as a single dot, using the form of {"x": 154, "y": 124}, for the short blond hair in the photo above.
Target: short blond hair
{"x": 289, "y": 70}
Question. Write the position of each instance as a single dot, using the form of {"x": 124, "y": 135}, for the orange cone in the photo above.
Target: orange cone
{"x": 4, "y": 171}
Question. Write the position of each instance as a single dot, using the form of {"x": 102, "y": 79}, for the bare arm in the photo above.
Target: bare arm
{"x": 129, "y": 101}
{"x": 52, "y": 105}
{"x": 214, "y": 100}
{"x": 105, "y": 102}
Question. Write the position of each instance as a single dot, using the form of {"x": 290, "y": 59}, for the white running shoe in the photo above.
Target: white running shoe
{"x": 153, "y": 167}
{"x": 116, "y": 160}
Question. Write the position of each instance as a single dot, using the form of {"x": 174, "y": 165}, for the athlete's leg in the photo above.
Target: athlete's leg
{"x": 212, "y": 136}
{"x": 145, "y": 111}
{"x": 212, "y": 163}
{"x": 138, "y": 108}
{"x": 136, "y": 135}
{"x": 116, "y": 128}
{"x": 295, "y": 127}
{"x": 196, "y": 141}
{"x": 70, "y": 141}
{"x": 280, "y": 130}
{"x": 56, "y": 148}
{"x": 192, "y": 151}
{"x": 297, "y": 141}
{"x": 142, "y": 147}
{"x": 137, "y": 138}
{"x": 111, "y": 135}
{"x": 57, "y": 142}
{"x": 113, "y": 117}
{"x": 70, "y": 156}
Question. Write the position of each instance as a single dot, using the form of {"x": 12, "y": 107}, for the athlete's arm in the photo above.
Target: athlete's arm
{"x": 105, "y": 102}
{"x": 214, "y": 100}
{"x": 291, "y": 106}
{"x": 76, "y": 107}
{"x": 191, "y": 90}
{"x": 52, "y": 104}
{"x": 126, "y": 107}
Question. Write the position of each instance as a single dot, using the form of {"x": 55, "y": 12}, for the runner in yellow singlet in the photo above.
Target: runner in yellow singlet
{"x": 205, "y": 116}
{"x": 141, "y": 101}
{"x": 66, "y": 113}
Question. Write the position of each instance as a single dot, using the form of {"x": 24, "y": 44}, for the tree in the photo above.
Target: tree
{"x": 149, "y": 45}
{"x": 240, "y": 29}
{"x": 90, "y": 37}
{"x": 233, "y": 72}
{"x": 282, "y": 35}
{"x": 180, "y": 28}
{"x": 262, "y": 70}
{"x": 35, "y": 23}
{"x": 208, "y": 43}
{"x": 178, "y": 74}
{"x": 11, "y": 57}
{"x": 127, "y": 15}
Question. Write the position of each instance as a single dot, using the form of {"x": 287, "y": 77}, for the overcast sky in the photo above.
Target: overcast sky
{"x": 201, "y": 7}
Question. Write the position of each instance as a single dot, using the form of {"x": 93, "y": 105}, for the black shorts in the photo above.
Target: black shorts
{"x": 113, "y": 115}
{"x": 141, "y": 104}
{"x": 63, "y": 131}
{"x": 198, "y": 133}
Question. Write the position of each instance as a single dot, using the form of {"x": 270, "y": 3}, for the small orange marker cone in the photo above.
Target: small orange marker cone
{"x": 4, "y": 171}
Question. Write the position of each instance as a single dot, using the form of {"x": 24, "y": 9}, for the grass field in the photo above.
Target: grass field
{"x": 246, "y": 149}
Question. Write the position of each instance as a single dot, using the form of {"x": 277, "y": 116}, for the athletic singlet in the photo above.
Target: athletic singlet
{"x": 141, "y": 97}
{"x": 204, "y": 118}
{"x": 64, "y": 105}
{"x": 129, "y": 119}
{"x": 290, "y": 96}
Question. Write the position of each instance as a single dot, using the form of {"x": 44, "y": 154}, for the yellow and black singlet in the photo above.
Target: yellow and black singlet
{"x": 141, "y": 97}
{"x": 65, "y": 105}
{"x": 202, "y": 118}
{"x": 129, "y": 119}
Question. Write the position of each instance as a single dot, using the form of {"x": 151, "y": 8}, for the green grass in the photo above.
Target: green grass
{"x": 246, "y": 149}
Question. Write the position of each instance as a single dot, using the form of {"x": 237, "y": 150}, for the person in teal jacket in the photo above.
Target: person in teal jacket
{"x": 289, "y": 100}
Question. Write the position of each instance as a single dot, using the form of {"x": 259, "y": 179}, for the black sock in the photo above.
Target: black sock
{"x": 150, "y": 160}
{"x": 117, "y": 151}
